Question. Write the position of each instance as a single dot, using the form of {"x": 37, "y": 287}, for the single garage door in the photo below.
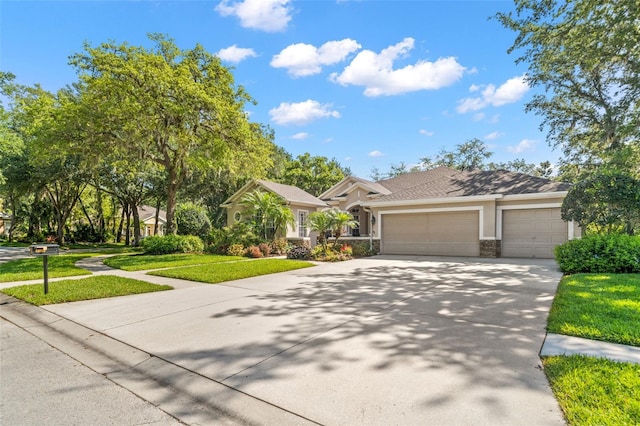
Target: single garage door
{"x": 532, "y": 232}
{"x": 434, "y": 234}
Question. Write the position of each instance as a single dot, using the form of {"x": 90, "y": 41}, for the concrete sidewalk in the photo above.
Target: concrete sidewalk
{"x": 557, "y": 344}
{"x": 39, "y": 385}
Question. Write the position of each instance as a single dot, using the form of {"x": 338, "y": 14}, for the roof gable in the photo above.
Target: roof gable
{"x": 291, "y": 194}
{"x": 349, "y": 184}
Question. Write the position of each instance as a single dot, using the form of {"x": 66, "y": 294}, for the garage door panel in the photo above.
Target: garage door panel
{"x": 532, "y": 232}
{"x": 446, "y": 234}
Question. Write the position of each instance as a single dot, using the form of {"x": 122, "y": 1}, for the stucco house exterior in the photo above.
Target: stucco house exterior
{"x": 445, "y": 212}
{"x": 147, "y": 215}
{"x": 300, "y": 202}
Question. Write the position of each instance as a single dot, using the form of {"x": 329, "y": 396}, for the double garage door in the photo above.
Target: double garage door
{"x": 431, "y": 234}
{"x": 525, "y": 233}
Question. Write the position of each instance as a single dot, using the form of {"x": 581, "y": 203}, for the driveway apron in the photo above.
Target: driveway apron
{"x": 383, "y": 340}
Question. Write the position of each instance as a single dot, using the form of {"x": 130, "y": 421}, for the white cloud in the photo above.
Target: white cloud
{"x": 426, "y": 132}
{"x": 494, "y": 135}
{"x": 301, "y": 112}
{"x": 302, "y": 59}
{"x": 478, "y": 116}
{"x": 524, "y": 145}
{"x": 235, "y": 54}
{"x": 375, "y": 154}
{"x": 265, "y": 15}
{"x": 300, "y": 136}
{"x": 511, "y": 91}
{"x": 375, "y": 72}
{"x": 347, "y": 158}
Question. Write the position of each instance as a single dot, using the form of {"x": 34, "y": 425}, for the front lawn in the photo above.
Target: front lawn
{"x": 598, "y": 306}
{"x": 217, "y": 273}
{"x": 96, "y": 287}
{"x": 31, "y": 268}
{"x": 144, "y": 262}
{"x": 593, "y": 391}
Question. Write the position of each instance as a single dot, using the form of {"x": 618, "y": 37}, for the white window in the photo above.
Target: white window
{"x": 302, "y": 223}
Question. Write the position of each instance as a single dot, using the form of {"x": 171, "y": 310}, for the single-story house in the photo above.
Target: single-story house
{"x": 441, "y": 211}
{"x": 147, "y": 215}
{"x": 299, "y": 201}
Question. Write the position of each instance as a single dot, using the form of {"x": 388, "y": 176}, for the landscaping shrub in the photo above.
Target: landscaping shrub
{"x": 265, "y": 249}
{"x": 168, "y": 244}
{"x": 361, "y": 249}
{"x": 279, "y": 246}
{"x": 608, "y": 253}
{"x": 254, "y": 252}
{"x": 236, "y": 250}
{"x": 192, "y": 219}
{"x": 298, "y": 252}
{"x": 220, "y": 240}
{"x": 331, "y": 254}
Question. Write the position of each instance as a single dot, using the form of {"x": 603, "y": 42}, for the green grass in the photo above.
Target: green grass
{"x": 593, "y": 391}
{"x": 598, "y": 306}
{"x": 31, "y": 268}
{"x": 217, "y": 273}
{"x": 96, "y": 287}
{"x": 144, "y": 261}
{"x": 13, "y": 244}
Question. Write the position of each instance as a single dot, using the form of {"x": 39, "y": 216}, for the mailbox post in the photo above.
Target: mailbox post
{"x": 44, "y": 250}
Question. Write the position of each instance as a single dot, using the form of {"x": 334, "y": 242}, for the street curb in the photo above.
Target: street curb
{"x": 187, "y": 396}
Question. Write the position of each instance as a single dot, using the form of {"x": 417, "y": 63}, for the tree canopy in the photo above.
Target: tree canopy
{"x": 585, "y": 56}
{"x": 314, "y": 174}
{"x": 177, "y": 108}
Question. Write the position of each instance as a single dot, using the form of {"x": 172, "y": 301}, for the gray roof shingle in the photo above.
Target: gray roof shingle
{"x": 444, "y": 182}
{"x": 292, "y": 194}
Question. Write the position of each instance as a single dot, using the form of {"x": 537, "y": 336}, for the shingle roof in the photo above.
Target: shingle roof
{"x": 147, "y": 212}
{"x": 292, "y": 194}
{"x": 445, "y": 182}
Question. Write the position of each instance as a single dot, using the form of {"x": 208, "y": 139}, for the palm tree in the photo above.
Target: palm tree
{"x": 320, "y": 222}
{"x": 341, "y": 220}
{"x": 269, "y": 211}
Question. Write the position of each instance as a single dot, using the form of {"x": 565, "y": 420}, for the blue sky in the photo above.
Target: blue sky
{"x": 370, "y": 83}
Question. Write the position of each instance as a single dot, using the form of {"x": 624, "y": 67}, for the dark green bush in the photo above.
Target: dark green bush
{"x": 192, "y": 219}
{"x": 608, "y": 253}
{"x": 168, "y": 244}
{"x": 219, "y": 240}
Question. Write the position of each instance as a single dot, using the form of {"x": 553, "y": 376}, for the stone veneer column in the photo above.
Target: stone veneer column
{"x": 490, "y": 248}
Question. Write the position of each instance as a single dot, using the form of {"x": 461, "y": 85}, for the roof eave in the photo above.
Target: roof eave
{"x": 535, "y": 196}
{"x": 441, "y": 200}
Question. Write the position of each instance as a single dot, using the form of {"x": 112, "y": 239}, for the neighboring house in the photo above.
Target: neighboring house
{"x": 447, "y": 212}
{"x": 5, "y": 223}
{"x": 300, "y": 202}
{"x": 147, "y": 215}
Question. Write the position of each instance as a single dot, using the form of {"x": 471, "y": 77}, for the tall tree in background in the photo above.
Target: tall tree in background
{"x": 177, "y": 108}
{"x": 314, "y": 174}
{"x": 585, "y": 55}
{"x": 470, "y": 155}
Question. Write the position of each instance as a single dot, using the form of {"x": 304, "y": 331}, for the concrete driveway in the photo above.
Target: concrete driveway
{"x": 385, "y": 340}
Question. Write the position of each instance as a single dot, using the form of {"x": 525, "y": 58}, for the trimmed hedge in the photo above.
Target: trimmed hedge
{"x": 609, "y": 253}
{"x": 168, "y": 244}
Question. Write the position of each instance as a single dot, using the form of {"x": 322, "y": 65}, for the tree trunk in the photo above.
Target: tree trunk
{"x": 136, "y": 225}
{"x": 127, "y": 239}
{"x": 157, "y": 218}
{"x": 172, "y": 194}
{"x": 101, "y": 222}
{"x": 86, "y": 214}
{"x": 121, "y": 225}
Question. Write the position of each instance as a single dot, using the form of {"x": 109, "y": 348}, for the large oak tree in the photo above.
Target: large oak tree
{"x": 178, "y": 108}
